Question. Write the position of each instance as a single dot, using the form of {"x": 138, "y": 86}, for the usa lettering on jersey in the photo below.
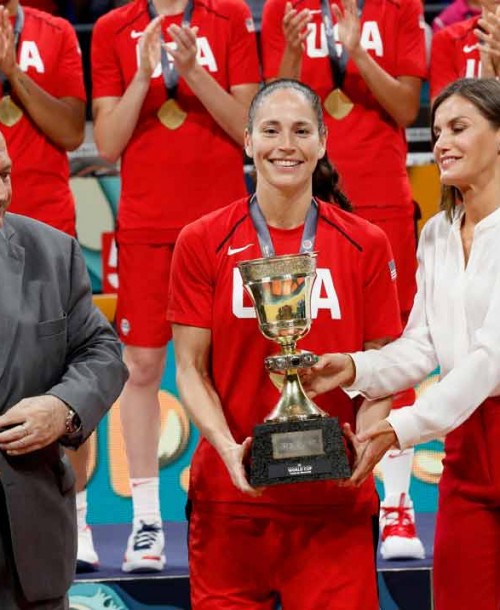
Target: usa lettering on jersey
{"x": 204, "y": 55}
{"x": 29, "y": 57}
{"x": 323, "y": 296}
{"x": 316, "y": 45}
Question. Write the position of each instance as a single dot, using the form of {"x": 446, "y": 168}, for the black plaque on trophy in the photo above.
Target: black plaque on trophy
{"x": 290, "y": 452}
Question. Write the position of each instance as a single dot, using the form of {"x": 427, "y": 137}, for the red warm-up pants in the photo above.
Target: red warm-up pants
{"x": 308, "y": 563}
{"x": 467, "y": 547}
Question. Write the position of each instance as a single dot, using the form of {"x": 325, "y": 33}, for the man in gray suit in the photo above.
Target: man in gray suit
{"x": 60, "y": 370}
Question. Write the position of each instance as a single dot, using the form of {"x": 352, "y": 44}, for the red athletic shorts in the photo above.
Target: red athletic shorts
{"x": 67, "y": 226}
{"x": 308, "y": 562}
{"x": 141, "y": 315}
{"x": 401, "y": 234}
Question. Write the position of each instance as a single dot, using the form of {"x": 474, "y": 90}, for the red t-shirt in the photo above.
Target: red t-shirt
{"x": 171, "y": 177}
{"x": 353, "y": 300}
{"x": 367, "y": 147}
{"x": 48, "y": 52}
{"x": 454, "y": 55}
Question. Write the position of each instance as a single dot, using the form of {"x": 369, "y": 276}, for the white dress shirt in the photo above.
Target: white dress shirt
{"x": 454, "y": 323}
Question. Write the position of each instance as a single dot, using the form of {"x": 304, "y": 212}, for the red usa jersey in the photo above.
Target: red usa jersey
{"x": 171, "y": 177}
{"x": 367, "y": 146}
{"x": 454, "y": 55}
{"x": 48, "y": 52}
{"x": 353, "y": 300}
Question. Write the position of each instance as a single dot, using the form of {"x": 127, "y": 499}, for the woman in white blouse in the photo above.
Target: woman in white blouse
{"x": 454, "y": 324}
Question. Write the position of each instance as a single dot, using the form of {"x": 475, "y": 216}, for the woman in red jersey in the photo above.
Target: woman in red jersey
{"x": 294, "y": 542}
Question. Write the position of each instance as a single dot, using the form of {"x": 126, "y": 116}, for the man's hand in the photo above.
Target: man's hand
{"x": 376, "y": 441}
{"x": 33, "y": 423}
{"x": 358, "y": 449}
{"x": 233, "y": 457}
{"x": 8, "y": 62}
{"x": 295, "y": 28}
{"x": 331, "y": 371}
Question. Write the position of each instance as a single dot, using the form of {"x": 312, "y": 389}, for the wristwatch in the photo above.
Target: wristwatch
{"x": 72, "y": 423}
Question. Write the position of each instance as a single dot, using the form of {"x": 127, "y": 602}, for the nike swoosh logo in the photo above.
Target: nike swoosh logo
{"x": 468, "y": 48}
{"x": 136, "y": 34}
{"x": 231, "y": 251}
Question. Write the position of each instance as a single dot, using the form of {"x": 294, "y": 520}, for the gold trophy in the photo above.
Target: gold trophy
{"x": 298, "y": 441}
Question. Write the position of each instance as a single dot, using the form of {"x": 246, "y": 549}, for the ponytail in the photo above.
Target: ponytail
{"x": 325, "y": 184}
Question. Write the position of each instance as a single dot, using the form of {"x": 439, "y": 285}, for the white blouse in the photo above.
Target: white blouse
{"x": 454, "y": 324}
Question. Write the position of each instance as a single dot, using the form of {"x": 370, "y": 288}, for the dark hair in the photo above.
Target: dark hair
{"x": 325, "y": 184}
{"x": 484, "y": 94}
{"x": 325, "y": 179}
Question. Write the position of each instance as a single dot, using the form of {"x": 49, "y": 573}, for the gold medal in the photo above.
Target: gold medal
{"x": 337, "y": 104}
{"x": 10, "y": 113}
{"x": 171, "y": 114}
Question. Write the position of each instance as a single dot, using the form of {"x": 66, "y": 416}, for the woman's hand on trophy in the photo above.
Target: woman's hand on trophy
{"x": 331, "y": 371}
{"x": 234, "y": 457}
{"x": 357, "y": 448}
{"x": 376, "y": 441}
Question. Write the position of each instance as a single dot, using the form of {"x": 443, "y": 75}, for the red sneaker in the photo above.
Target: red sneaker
{"x": 398, "y": 533}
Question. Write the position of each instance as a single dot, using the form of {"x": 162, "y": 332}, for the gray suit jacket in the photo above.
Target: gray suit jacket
{"x": 52, "y": 341}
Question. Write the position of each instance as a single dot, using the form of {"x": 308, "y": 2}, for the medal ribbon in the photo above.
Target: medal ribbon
{"x": 338, "y": 61}
{"x": 170, "y": 74}
{"x": 265, "y": 241}
{"x": 18, "y": 28}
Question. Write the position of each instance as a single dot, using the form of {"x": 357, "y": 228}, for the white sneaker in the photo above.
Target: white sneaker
{"x": 86, "y": 559}
{"x": 145, "y": 549}
{"x": 398, "y": 533}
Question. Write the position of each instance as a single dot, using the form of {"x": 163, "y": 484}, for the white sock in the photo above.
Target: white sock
{"x": 146, "y": 500}
{"x": 396, "y": 470}
{"x": 81, "y": 510}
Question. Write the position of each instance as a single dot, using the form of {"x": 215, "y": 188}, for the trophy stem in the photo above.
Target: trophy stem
{"x": 289, "y": 349}
{"x": 294, "y": 404}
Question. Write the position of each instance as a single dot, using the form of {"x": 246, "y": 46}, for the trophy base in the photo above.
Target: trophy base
{"x": 296, "y": 451}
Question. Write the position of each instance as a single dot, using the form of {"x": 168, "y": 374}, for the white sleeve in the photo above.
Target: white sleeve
{"x": 406, "y": 361}
{"x": 448, "y": 403}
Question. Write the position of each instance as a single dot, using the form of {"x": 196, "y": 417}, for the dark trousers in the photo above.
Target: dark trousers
{"x": 11, "y": 594}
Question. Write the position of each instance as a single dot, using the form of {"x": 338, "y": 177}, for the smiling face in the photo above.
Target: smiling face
{"x": 467, "y": 146}
{"x": 285, "y": 142}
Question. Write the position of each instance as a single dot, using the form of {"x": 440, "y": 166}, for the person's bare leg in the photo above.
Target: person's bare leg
{"x": 140, "y": 409}
{"x": 140, "y": 418}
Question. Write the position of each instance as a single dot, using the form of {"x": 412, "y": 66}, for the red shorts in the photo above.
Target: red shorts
{"x": 308, "y": 562}
{"x": 141, "y": 314}
{"x": 401, "y": 234}
{"x": 67, "y": 226}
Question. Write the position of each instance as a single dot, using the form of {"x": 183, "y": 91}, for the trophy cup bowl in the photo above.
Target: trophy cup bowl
{"x": 298, "y": 441}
